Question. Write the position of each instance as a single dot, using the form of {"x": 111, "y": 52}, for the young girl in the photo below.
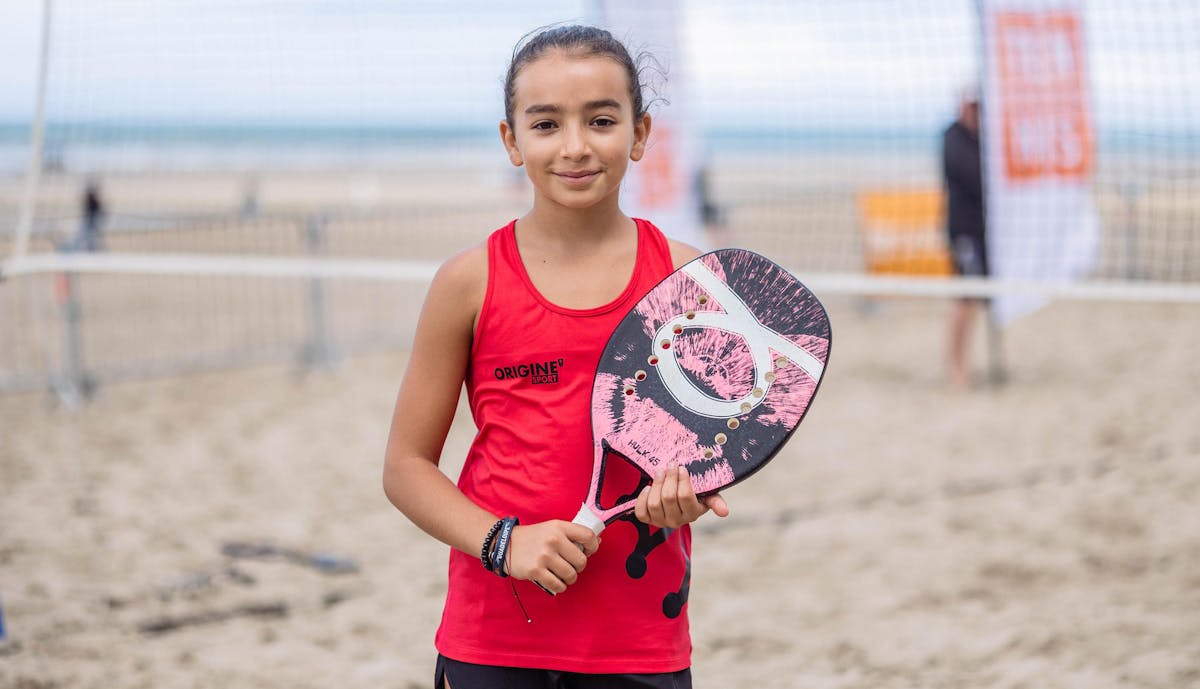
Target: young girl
{"x": 522, "y": 320}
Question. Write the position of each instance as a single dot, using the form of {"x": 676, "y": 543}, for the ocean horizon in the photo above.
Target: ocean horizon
{"x": 99, "y": 146}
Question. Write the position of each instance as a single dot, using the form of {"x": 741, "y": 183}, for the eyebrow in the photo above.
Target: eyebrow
{"x": 590, "y": 105}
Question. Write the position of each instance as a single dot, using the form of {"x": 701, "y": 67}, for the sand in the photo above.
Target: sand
{"x": 1042, "y": 533}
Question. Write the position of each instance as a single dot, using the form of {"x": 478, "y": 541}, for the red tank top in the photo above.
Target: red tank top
{"x": 529, "y": 386}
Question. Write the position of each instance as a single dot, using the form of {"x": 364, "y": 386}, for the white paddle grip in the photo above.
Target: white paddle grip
{"x": 588, "y": 518}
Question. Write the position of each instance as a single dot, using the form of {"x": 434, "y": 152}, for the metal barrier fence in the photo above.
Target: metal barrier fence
{"x": 69, "y": 332}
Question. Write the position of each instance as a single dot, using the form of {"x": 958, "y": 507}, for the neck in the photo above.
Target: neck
{"x": 577, "y": 228}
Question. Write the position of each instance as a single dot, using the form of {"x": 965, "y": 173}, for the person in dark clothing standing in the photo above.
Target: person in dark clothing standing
{"x": 965, "y": 225}
{"x": 93, "y": 218}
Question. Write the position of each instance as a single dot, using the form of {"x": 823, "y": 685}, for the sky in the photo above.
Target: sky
{"x": 753, "y": 63}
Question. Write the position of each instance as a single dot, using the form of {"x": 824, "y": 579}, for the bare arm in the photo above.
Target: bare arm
{"x": 424, "y": 410}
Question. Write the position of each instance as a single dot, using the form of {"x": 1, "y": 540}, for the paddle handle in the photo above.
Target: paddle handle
{"x": 587, "y": 517}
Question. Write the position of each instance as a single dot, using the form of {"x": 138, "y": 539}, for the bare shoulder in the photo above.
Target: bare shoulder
{"x": 681, "y": 252}
{"x": 460, "y": 285}
{"x": 465, "y": 270}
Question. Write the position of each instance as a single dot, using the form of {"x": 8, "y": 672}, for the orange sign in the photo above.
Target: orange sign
{"x": 1043, "y": 115}
{"x": 659, "y": 183}
{"x": 903, "y": 233}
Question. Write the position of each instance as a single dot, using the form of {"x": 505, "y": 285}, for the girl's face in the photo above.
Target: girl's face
{"x": 574, "y": 129}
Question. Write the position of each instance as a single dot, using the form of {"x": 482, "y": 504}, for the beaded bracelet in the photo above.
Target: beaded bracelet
{"x": 485, "y": 553}
{"x": 500, "y": 553}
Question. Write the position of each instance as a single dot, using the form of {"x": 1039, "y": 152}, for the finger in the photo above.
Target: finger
{"x": 717, "y": 504}
{"x": 564, "y": 571}
{"x": 670, "y": 497}
{"x": 692, "y": 508}
{"x": 654, "y": 500}
{"x": 550, "y": 582}
{"x": 589, "y": 548}
{"x": 575, "y": 555}
{"x": 641, "y": 510}
{"x": 584, "y": 537}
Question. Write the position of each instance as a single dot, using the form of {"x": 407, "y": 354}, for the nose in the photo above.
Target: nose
{"x": 574, "y": 143}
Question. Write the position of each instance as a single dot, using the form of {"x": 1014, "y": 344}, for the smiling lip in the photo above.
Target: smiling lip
{"x": 578, "y": 178}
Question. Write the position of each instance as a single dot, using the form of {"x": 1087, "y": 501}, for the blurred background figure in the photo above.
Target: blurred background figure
{"x": 965, "y": 225}
{"x": 712, "y": 215}
{"x": 250, "y": 204}
{"x": 90, "y": 231}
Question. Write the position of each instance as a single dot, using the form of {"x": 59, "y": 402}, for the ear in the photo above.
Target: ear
{"x": 509, "y": 139}
{"x": 641, "y": 133}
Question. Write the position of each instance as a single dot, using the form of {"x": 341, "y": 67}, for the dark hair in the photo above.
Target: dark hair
{"x": 577, "y": 40}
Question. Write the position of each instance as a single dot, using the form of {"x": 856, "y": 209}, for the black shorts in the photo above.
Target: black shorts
{"x": 471, "y": 676}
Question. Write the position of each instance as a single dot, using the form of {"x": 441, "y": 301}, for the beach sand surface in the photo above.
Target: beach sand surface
{"x": 1040, "y": 533}
{"x": 1036, "y": 534}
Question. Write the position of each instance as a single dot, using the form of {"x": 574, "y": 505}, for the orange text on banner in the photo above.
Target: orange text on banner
{"x": 659, "y": 186}
{"x": 902, "y": 232}
{"x": 1043, "y": 114}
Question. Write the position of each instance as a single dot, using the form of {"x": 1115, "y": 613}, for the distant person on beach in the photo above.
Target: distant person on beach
{"x": 965, "y": 225}
{"x": 93, "y": 219}
{"x": 712, "y": 216}
{"x": 250, "y": 204}
{"x": 545, "y": 291}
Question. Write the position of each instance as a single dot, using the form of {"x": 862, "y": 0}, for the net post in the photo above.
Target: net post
{"x": 319, "y": 352}
{"x": 71, "y": 385}
{"x": 33, "y": 172}
{"x": 1129, "y": 197}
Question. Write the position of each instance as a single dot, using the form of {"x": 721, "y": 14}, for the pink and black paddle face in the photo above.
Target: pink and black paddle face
{"x": 712, "y": 370}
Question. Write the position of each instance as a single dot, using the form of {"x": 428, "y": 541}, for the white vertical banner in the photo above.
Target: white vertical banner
{"x": 662, "y": 186}
{"x": 1038, "y": 147}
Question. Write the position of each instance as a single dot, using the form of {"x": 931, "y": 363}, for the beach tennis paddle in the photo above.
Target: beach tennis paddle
{"x": 711, "y": 370}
